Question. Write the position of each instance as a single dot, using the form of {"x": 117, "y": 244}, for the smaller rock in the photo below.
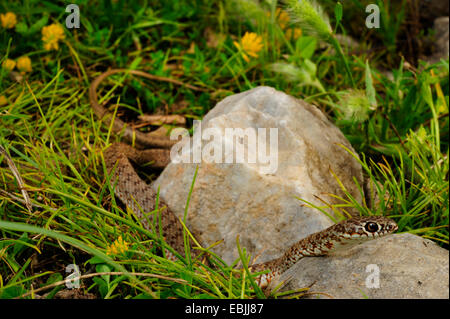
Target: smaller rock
{"x": 441, "y": 43}
{"x": 408, "y": 266}
{"x": 441, "y": 28}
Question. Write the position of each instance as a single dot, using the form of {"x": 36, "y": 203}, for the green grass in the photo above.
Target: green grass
{"x": 398, "y": 127}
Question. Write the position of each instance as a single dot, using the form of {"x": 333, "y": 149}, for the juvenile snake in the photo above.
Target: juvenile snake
{"x": 141, "y": 198}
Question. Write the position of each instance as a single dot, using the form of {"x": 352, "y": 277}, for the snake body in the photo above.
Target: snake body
{"x": 343, "y": 235}
{"x": 141, "y": 198}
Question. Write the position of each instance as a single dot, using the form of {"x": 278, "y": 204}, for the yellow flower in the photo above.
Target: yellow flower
{"x": 9, "y": 64}
{"x": 24, "y": 64}
{"x": 3, "y": 100}
{"x": 51, "y": 35}
{"x": 294, "y": 33}
{"x": 283, "y": 18}
{"x": 118, "y": 246}
{"x": 250, "y": 44}
{"x": 8, "y": 19}
{"x": 441, "y": 104}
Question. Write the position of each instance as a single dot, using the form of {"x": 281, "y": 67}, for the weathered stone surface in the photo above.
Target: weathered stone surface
{"x": 439, "y": 41}
{"x": 243, "y": 199}
{"x": 441, "y": 30}
{"x": 409, "y": 267}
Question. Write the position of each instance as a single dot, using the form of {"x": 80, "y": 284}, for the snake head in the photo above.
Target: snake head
{"x": 365, "y": 228}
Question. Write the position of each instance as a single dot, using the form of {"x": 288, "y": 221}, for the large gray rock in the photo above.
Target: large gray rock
{"x": 250, "y": 199}
{"x": 409, "y": 267}
{"x": 439, "y": 41}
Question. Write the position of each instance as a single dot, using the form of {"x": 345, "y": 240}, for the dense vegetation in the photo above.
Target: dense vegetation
{"x": 392, "y": 107}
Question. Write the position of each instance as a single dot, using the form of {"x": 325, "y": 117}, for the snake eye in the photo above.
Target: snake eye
{"x": 371, "y": 227}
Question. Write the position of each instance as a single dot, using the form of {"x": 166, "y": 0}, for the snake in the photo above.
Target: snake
{"x": 141, "y": 198}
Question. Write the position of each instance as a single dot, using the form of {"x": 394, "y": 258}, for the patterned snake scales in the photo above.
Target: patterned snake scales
{"x": 140, "y": 197}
